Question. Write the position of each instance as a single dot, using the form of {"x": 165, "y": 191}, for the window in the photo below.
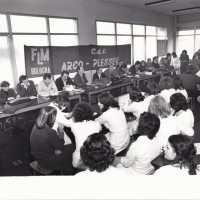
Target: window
{"x": 3, "y": 23}
{"x": 143, "y": 39}
{"x": 31, "y": 30}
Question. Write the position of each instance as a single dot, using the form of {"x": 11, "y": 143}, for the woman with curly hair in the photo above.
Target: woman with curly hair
{"x": 181, "y": 152}
{"x": 82, "y": 127}
{"x": 98, "y": 155}
{"x": 180, "y": 108}
{"x": 113, "y": 118}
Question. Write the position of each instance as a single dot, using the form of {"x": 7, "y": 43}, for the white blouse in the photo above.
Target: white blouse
{"x": 176, "y": 63}
{"x": 114, "y": 120}
{"x": 166, "y": 94}
{"x": 44, "y": 90}
{"x": 140, "y": 154}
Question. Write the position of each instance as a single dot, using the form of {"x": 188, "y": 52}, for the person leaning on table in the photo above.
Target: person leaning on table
{"x": 6, "y": 93}
{"x": 47, "y": 86}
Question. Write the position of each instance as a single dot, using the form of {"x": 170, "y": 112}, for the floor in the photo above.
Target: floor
{"x": 15, "y": 149}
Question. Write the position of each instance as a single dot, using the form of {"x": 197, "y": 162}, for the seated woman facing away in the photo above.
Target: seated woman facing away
{"x": 25, "y": 87}
{"x": 6, "y": 93}
{"x": 179, "y": 105}
{"x": 144, "y": 149}
{"x": 167, "y": 88}
{"x": 47, "y": 146}
{"x": 98, "y": 155}
{"x": 169, "y": 125}
{"x": 181, "y": 152}
{"x": 113, "y": 118}
{"x": 178, "y": 86}
{"x": 82, "y": 127}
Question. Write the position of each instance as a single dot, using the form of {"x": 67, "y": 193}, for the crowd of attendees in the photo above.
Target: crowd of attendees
{"x": 107, "y": 143}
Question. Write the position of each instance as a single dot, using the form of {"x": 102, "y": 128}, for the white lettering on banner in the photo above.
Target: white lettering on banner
{"x": 95, "y": 51}
{"x": 39, "y": 55}
{"x": 40, "y": 70}
{"x": 105, "y": 62}
{"x": 69, "y": 66}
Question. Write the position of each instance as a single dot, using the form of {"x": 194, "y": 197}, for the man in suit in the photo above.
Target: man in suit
{"x": 99, "y": 74}
{"x": 63, "y": 81}
{"x": 80, "y": 78}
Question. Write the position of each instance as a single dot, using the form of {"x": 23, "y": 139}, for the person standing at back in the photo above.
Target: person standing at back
{"x": 184, "y": 58}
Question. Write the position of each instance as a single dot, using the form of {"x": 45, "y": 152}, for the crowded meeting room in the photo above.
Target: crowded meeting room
{"x": 99, "y": 88}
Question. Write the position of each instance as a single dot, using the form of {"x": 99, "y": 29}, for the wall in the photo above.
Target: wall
{"x": 189, "y": 18}
{"x": 87, "y": 11}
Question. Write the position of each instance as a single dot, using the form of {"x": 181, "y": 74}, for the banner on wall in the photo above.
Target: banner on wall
{"x": 162, "y": 47}
{"x": 51, "y": 59}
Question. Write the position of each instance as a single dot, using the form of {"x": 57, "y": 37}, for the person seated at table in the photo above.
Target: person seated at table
{"x": 47, "y": 86}
{"x": 25, "y": 87}
{"x": 169, "y": 124}
{"x": 47, "y": 146}
{"x": 155, "y": 63}
{"x": 146, "y": 147}
{"x": 179, "y": 106}
{"x": 167, "y": 87}
{"x": 190, "y": 81}
{"x": 142, "y": 67}
{"x": 99, "y": 74}
{"x": 113, "y": 118}
{"x": 82, "y": 127}
{"x": 80, "y": 78}
{"x": 63, "y": 81}
{"x": 98, "y": 155}
{"x": 6, "y": 93}
{"x": 184, "y": 58}
{"x": 181, "y": 152}
{"x": 162, "y": 62}
{"x": 148, "y": 63}
{"x": 134, "y": 68}
{"x": 120, "y": 69}
{"x": 110, "y": 72}
{"x": 178, "y": 86}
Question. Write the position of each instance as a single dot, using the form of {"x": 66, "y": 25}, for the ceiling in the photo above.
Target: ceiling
{"x": 165, "y": 8}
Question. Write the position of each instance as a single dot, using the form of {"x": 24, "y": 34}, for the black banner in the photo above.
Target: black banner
{"x": 40, "y": 60}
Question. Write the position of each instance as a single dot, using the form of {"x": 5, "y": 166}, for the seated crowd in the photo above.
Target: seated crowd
{"x": 106, "y": 143}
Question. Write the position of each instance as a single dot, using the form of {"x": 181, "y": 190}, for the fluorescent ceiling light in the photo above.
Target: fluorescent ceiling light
{"x": 158, "y": 3}
{"x": 186, "y": 9}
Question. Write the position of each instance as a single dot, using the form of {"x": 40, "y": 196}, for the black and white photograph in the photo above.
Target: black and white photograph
{"x": 99, "y": 99}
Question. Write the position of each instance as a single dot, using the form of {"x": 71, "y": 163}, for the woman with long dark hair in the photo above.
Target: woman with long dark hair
{"x": 181, "y": 152}
{"x": 47, "y": 146}
{"x": 113, "y": 118}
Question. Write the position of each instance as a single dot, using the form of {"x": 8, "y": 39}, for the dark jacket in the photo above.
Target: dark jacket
{"x": 155, "y": 65}
{"x": 96, "y": 76}
{"x": 80, "y": 81}
{"x": 5, "y": 95}
{"x": 23, "y": 92}
{"x": 190, "y": 81}
{"x": 59, "y": 83}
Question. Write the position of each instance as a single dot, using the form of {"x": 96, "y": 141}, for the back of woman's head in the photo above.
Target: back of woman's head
{"x": 153, "y": 89}
{"x": 62, "y": 101}
{"x": 185, "y": 151}
{"x": 97, "y": 153}
{"x": 47, "y": 117}
{"x": 82, "y": 111}
{"x": 149, "y": 125}
{"x": 178, "y": 83}
{"x": 166, "y": 83}
{"x": 159, "y": 107}
{"x": 190, "y": 69}
{"x": 136, "y": 94}
{"x": 178, "y": 102}
{"x": 107, "y": 100}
